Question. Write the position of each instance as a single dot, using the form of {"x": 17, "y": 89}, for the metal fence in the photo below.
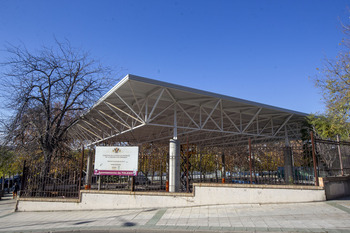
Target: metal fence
{"x": 333, "y": 157}
{"x": 253, "y": 162}
{"x": 152, "y": 172}
{"x": 63, "y": 180}
{"x": 259, "y": 163}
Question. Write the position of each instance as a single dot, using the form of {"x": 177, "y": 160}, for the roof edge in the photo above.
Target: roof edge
{"x": 114, "y": 88}
{"x": 212, "y": 94}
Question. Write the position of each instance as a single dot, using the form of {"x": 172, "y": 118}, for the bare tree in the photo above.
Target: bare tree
{"x": 47, "y": 90}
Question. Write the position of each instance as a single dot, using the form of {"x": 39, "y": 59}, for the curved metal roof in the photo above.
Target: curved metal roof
{"x": 139, "y": 110}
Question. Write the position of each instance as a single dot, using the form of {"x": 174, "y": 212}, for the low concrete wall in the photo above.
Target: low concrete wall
{"x": 256, "y": 194}
{"x": 335, "y": 187}
{"x": 204, "y": 194}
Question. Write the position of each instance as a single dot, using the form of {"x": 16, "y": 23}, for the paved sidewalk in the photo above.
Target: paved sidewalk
{"x": 7, "y": 206}
{"x": 331, "y": 216}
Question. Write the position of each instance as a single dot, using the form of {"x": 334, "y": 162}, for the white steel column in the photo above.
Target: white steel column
{"x": 174, "y": 166}
{"x": 174, "y": 160}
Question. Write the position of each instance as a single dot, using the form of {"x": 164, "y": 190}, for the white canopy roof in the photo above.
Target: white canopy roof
{"x": 140, "y": 110}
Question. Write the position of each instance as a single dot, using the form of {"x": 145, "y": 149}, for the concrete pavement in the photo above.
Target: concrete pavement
{"x": 330, "y": 216}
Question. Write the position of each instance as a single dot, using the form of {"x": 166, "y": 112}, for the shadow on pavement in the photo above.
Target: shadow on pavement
{"x": 342, "y": 198}
{"x": 129, "y": 224}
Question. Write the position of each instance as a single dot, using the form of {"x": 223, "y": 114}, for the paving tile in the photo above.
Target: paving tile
{"x": 192, "y": 228}
{"x": 274, "y": 229}
{"x": 333, "y": 231}
{"x": 304, "y": 217}
{"x": 317, "y": 230}
{"x": 240, "y": 228}
{"x": 302, "y": 230}
{"x": 285, "y": 229}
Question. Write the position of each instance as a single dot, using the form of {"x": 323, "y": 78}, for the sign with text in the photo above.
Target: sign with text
{"x": 118, "y": 161}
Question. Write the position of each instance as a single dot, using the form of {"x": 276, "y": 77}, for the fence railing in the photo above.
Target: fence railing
{"x": 62, "y": 181}
{"x": 255, "y": 162}
{"x": 333, "y": 157}
{"x": 262, "y": 163}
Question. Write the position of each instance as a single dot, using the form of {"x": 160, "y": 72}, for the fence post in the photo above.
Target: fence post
{"x": 8, "y": 183}
{"x": 187, "y": 168}
{"x": 288, "y": 165}
{"x": 250, "y": 161}
{"x": 223, "y": 167}
{"x": 314, "y": 158}
{"x": 200, "y": 164}
{"x": 3, "y": 184}
{"x": 340, "y": 157}
{"x": 81, "y": 167}
{"x": 89, "y": 170}
{"x": 24, "y": 178}
{"x": 132, "y": 182}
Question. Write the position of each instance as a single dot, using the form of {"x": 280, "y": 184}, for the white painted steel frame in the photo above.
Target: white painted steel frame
{"x": 139, "y": 110}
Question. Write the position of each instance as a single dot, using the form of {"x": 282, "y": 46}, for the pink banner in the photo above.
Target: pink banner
{"x": 115, "y": 173}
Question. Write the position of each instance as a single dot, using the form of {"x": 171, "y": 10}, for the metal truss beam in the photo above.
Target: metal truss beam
{"x": 204, "y": 117}
{"x": 131, "y": 109}
{"x": 283, "y": 124}
{"x": 252, "y": 120}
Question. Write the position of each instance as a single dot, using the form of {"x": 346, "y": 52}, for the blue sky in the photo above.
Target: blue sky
{"x": 264, "y": 51}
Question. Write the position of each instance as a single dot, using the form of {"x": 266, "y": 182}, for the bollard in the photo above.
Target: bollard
{"x": 167, "y": 186}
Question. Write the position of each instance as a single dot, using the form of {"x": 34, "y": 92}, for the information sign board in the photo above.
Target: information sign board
{"x": 119, "y": 161}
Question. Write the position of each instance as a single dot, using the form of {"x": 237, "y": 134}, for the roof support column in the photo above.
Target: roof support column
{"x": 288, "y": 160}
{"x": 174, "y": 166}
{"x": 174, "y": 159}
{"x": 175, "y": 124}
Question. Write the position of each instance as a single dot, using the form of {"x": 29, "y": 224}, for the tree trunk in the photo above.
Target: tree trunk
{"x": 45, "y": 170}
